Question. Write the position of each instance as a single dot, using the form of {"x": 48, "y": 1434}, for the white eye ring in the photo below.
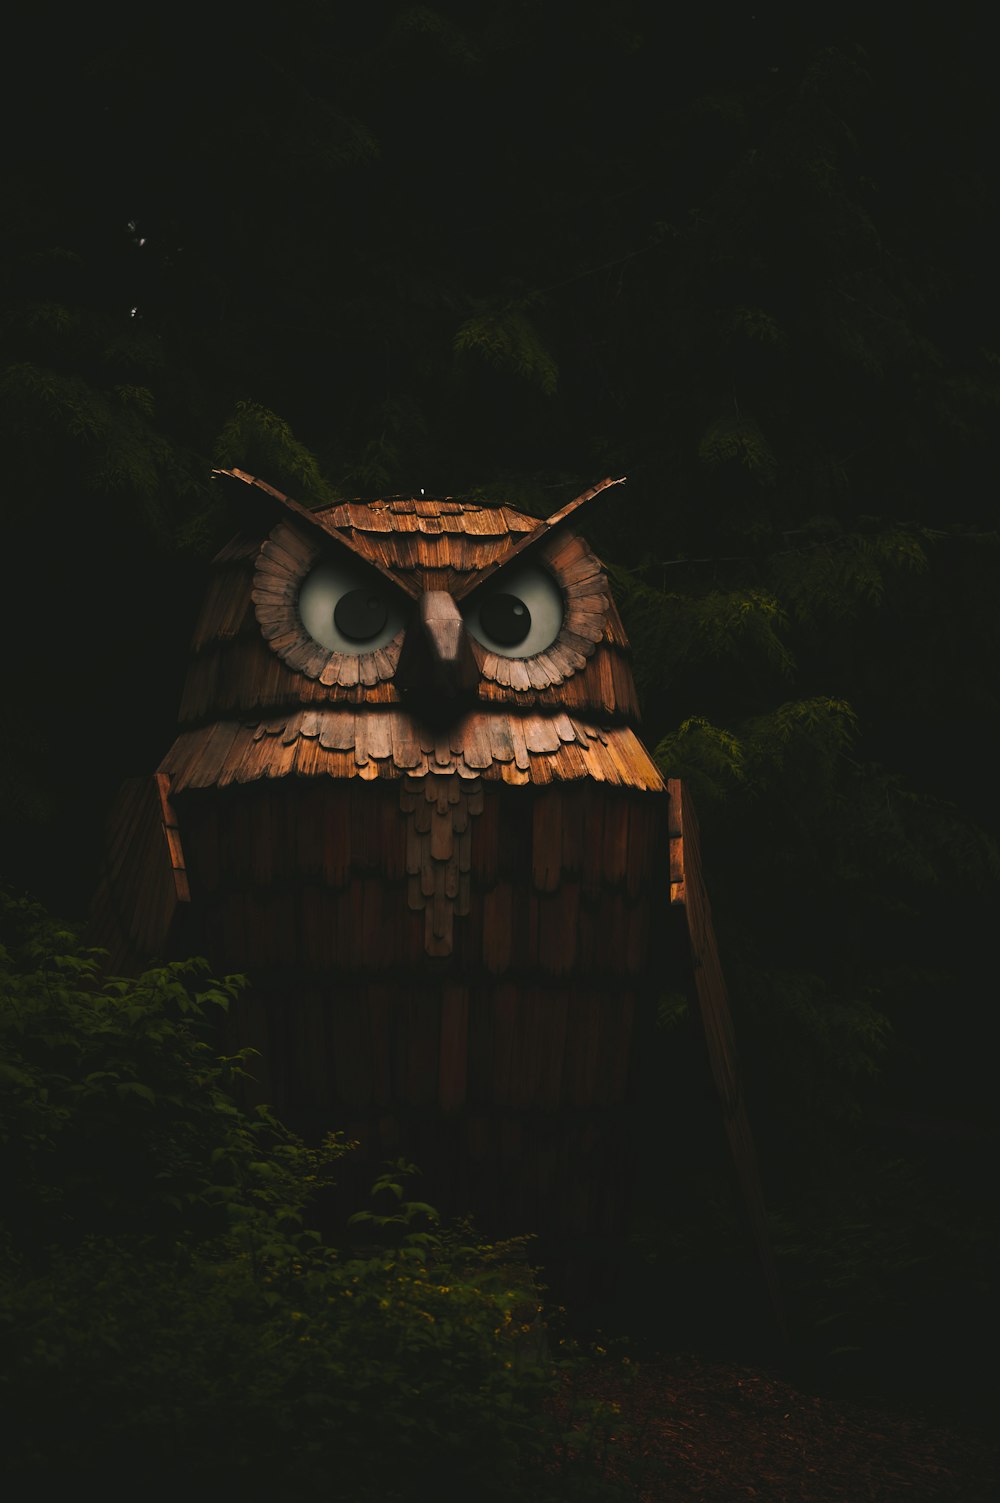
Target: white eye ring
{"x": 322, "y": 601}
{"x": 518, "y": 614}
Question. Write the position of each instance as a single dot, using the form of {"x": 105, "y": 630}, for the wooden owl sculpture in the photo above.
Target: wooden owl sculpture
{"x": 409, "y": 801}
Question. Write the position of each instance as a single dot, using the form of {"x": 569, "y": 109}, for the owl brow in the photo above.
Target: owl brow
{"x": 325, "y": 531}
{"x": 515, "y": 553}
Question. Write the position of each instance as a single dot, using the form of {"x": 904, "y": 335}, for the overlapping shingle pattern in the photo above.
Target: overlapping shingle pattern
{"x": 262, "y": 700}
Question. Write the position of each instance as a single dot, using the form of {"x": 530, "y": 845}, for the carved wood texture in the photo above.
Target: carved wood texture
{"x": 442, "y": 962}
{"x": 447, "y": 930}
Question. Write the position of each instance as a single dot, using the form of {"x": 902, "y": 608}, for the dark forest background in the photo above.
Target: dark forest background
{"x": 747, "y": 259}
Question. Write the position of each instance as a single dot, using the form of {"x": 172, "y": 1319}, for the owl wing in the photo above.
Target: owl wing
{"x": 142, "y": 892}
{"x": 687, "y": 889}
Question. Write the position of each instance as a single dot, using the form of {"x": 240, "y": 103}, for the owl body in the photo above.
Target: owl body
{"x": 429, "y": 834}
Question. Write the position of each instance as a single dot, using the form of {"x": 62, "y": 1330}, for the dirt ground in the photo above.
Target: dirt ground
{"x": 687, "y": 1430}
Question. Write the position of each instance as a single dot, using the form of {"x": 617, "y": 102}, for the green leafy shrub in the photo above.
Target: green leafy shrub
{"x": 168, "y": 1317}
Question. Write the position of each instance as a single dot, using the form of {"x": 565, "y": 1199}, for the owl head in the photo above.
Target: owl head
{"x": 363, "y": 625}
{"x": 427, "y": 603}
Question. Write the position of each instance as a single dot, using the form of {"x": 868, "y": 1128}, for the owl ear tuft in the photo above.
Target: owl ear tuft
{"x": 315, "y": 525}
{"x": 537, "y": 535}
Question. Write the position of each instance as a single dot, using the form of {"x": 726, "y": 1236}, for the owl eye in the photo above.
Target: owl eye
{"x": 346, "y": 612}
{"x": 522, "y": 614}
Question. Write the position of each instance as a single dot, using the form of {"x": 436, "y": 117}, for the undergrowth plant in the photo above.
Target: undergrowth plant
{"x": 169, "y": 1318}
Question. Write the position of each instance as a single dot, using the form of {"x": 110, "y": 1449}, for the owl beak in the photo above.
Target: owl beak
{"x": 436, "y": 664}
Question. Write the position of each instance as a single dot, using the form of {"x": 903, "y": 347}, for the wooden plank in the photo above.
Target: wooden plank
{"x": 439, "y": 920}
{"x": 626, "y": 698}
{"x": 592, "y": 865}
{"x": 523, "y": 927}
{"x": 578, "y": 565}
{"x": 262, "y": 865}
{"x": 611, "y": 943}
{"x": 479, "y": 1082}
{"x": 546, "y": 841}
{"x": 541, "y": 770}
{"x": 453, "y": 1063}
{"x": 475, "y": 738}
{"x": 280, "y": 760}
{"x": 579, "y": 639}
{"x": 571, "y": 763}
{"x": 501, "y": 740}
{"x": 406, "y": 749}
{"x": 308, "y": 805}
{"x": 540, "y": 734}
{"x": 225, "y": 602}
{"x": 312, "y": 916}
{"x": 552, "y": 1008}
{"x": 343, "y": 923}
{"x": 615, "y": 840}
{"x": 639, "y": 845}
{"x": 424, "y": 1046}
{"x": 393, "y": 832}
{"x": 582, "y": 1047}
{"x": 637, "y": 940}
{"x": 547, "y": 665}
{"x": 364, "y": 826}
{"x": 349, "y": 672}
{"x": 286, "y": 552}
{"x": 605, "y": 679}
{"x": 522, "y": 756}
{"x": 559, "y": 923}
{"x": 485, "y": 840}
{"x": 380, "y": 1005}
{"x": 378, "y": 734}
{"x": 335, "y": 826}
{"x": 586, "y": 608}
{"x": 572, "y": 829}
{"x": 329, "y": 674}
{"x": 505, "y": 1006}
{"x": 209, "y": 751}
{"x": 375, "y": 936}
{"x": 539, "y": 676}
{"x": 566, "y": 657}
{"x": 498, "y": 928}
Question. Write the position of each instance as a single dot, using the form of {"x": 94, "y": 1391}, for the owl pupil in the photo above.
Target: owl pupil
{"x": 359, "y": 615}
{"x": 506, "y": 619}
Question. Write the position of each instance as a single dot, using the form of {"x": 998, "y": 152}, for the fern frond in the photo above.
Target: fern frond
{"x": 739, "y": 440}
{"x": 507, "y": 339}
{"x": 257, "y": 439}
